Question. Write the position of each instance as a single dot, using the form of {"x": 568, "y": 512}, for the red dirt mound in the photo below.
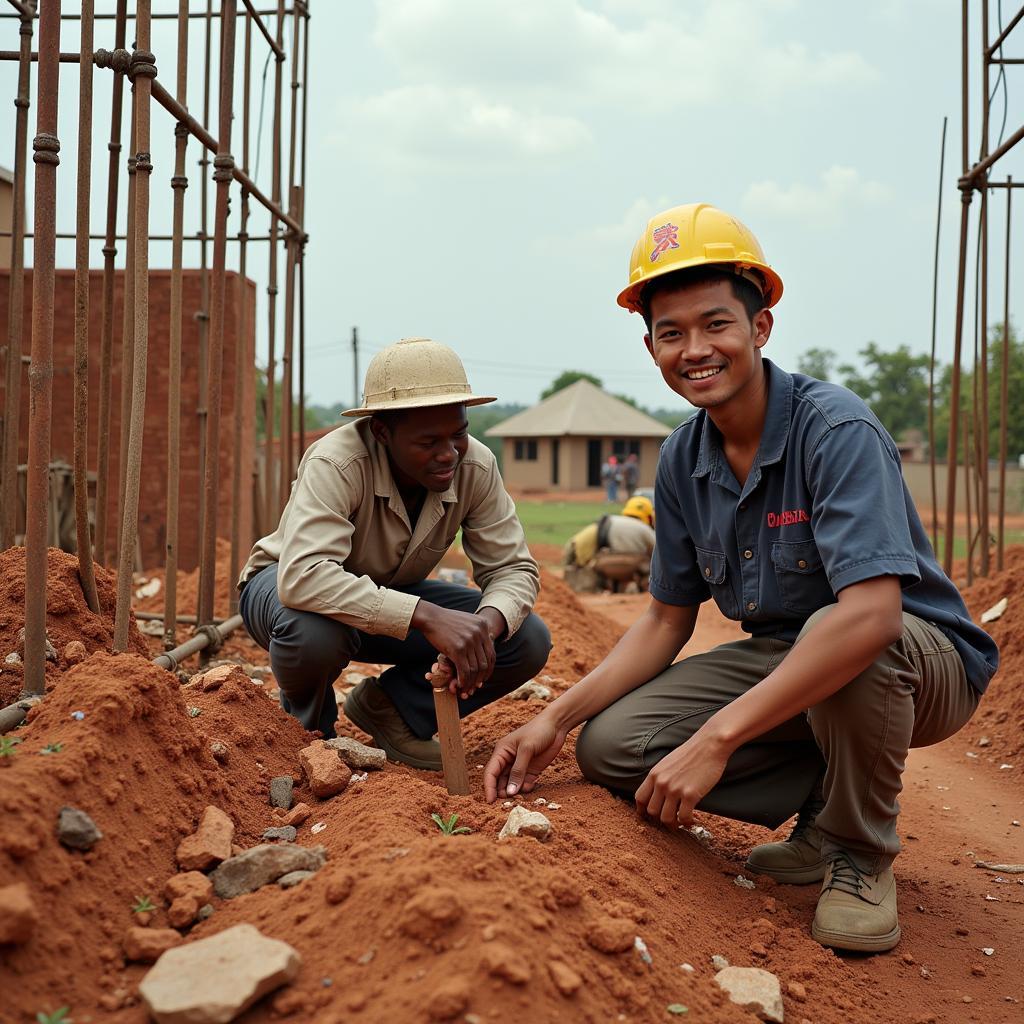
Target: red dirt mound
{"x": 188, "y": 587}
{"x": 68, "y": 617}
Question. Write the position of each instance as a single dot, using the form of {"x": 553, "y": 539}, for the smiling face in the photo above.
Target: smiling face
{"x": 425, "y": 446}
{"x": 706, "y": 345}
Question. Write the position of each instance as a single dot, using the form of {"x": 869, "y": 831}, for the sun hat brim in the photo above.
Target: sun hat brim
{"x": 418, "y": 402}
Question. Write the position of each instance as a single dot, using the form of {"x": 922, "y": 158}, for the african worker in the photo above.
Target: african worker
{"x": 783, "y": 499}
{"x": 375, "y": 505}
{"x": 614, "y": 550}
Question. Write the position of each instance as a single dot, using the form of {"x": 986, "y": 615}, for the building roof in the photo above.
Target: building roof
{"x": 6, "y": 175}
{"x": 581, "y": 409}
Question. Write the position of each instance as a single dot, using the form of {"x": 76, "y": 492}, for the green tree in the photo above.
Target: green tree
{"x": 817, "y": 362}
{"x": 567, "y": 377}
{"x": 483, "y": 417}
{"x": 894, "y": 385}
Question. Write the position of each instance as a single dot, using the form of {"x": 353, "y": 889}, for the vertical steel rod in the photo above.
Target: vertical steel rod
{"x": 16, "y": 301}
{"x": 981, "y": 414}
{"x": 46, "y": 156}
{"x": 302, "y": 250}
{"x": 127, "y": 323}
{"x": 109, "y": 254}
{"x": 1004, "y": 390}
{"x": 81, "y": 400}
{"x": 223, "y": 167}
{"x": 287, "y": 418}
{"x": 931, "y": 365}
{"x": 179, "y": 182}
{"x": 967, "y": 496}
{"x": 142, "y": 71}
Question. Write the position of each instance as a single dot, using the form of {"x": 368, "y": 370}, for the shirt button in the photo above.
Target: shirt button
{"x": 802, "y": 564}
{"x": 748, "y": 553}
{"x": 751, "y": 606}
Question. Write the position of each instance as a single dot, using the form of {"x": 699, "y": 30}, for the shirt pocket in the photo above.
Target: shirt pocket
{"x": 714, "y": 570}
{"x": 800, "y": 576}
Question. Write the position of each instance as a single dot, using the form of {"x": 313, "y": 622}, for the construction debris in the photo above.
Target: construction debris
{"x": 358, "y": 756}
{"x": 753, "y": 989}
{"x": 522, "y": 822}
{"x": 262, "y": 865}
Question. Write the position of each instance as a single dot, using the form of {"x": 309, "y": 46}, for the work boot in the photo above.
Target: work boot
{"x": 798, "y": 860}
{"x": 370, "y": 708}
{"x": 855, "y": 910}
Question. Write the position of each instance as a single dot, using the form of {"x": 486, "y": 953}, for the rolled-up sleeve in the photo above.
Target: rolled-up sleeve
{"x": 674, "y": 575}
{"x": 495, "y": 544}
{"x": 859, "y": 507}
{"x": 317, "y": 541}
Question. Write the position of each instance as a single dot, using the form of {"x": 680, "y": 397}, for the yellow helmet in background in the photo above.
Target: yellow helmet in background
{"x": 697, "y": 235}
{"x": 639, "y": 507}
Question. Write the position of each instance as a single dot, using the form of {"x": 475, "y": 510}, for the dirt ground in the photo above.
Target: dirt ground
{"x": 404, "y": 924}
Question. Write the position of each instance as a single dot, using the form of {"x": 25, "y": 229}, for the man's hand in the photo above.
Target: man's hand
{"x": 520, "y": 757}
{"x": 679, "y": 781}
{"x": 465, "y": 641}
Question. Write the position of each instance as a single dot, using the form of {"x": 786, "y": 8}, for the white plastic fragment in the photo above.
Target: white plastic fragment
{"x": 689, "y": 968}
{"x": 996, "y": 611}
{"x": 318, "y": 827}
{"x": 987, "y": 950}
{"x": 641, "y": 947}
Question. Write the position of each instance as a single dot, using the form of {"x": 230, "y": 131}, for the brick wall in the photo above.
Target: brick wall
{"x": 152, "y": 503}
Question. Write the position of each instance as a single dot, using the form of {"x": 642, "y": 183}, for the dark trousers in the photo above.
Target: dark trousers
{"x": 308, "y": 652}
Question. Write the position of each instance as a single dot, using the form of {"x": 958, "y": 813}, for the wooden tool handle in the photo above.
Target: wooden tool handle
{"x": 449, "y": 733}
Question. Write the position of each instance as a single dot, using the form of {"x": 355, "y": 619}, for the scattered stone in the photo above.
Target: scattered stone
{"x": 522, "y": 822}
{"x": 611, "y": 934}
{"x": 642, "y": 951}
{"x": 753, "y": 989}
{"x": 219, "y": 751}
{"x": 75, "y": 652}
{"x": 743, "y": 883}
{"x": 262, "y": 865}
{"x": 183, "y": 911}
{"x": 541, "y": 802}
{"x": 689, "y": 968}
{"x": 285, "y": 834}
{"x": 147, "y": 945}
{"x": 293, "y": 878}
{"x": 449, "y": 999}
{"x": 988, "y": 950}
{"x": 339, "y": 888}
{"x": 984, "y": 741}
{"x": 51, "y": 651}
{"x": 531, "y": 689}
{"x": 719, "y": 962}
{"x": 367, "y": 957}
{"x": 962, "y": 931}
{"x": 77, "y": 830}
{"x": 18, "y": 915}
{"x": 297, "y": 815}
{"x": 565, "y": 979}
{"x": 358, "y": 756}
{"x": 908, "y": 959}
{"x": 210, "y": 843}
{"x": 281, "y": 791}
{"x": 14, "y": 658}
{"x": 758, "y": 950}
{"x": 326, "y": 773}
{"x": 554, "y": 807}
{"x": 978, "y": 971}
{"x": 214, "y": 980}
{"x": 214, "y": 678}
{"x": 797, "y": 991}
{"x": 205, "y": 911}
{"x": 502, "y": 961}
{"x": 430, "y": 913}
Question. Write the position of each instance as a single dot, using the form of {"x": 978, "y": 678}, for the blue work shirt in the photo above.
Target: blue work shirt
{"x": 823, "y": 506}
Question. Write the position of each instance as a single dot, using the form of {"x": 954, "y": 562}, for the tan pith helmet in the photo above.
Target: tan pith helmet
{"x": 415, "y": 373}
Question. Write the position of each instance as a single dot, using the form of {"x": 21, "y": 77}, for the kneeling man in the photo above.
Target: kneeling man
{"x": 374, "y": 507}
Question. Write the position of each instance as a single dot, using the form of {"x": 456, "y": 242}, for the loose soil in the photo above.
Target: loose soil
{"x": 407, "y": 925}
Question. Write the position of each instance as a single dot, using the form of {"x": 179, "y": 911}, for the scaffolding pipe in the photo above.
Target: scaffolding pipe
{"x": 46, "y": 156}
{"x": 981, "y": 414}
{"x": 202, "y": 315}
{"x": 1004, "y": 390}
{"x": 931, "y": 365}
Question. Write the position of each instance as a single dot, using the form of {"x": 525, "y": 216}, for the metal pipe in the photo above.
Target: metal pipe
{"x": 208, "y": 635}
{"x": 1004, "y": 393}
{"x": 109, "y": 253}
{"x": 223, "y": 166}
{"x": 302, "y": 250}
{"x": 967, "y": 496}
{"x": 931, "y": 365}
{"x": 25, "y": 10}
{"x": 81, "y": 399}
{"x": 142, "y": 71}
{"x": 253, "y": 15}
{"x": 16, "y": 302}
{"x": 287, "y": 418}
{"x": 202, "y": 315}
{"x": 179, "y": 182}
{"x": 46, "y": 156}
{"x": 1001, "y": 38}
{"x": 94, "y": 237}
{"x": 971, "y": 177}
{"x": 981, "y": 414}
{"x": 14, "y": 714}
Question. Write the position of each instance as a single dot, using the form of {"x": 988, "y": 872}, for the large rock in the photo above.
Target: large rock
{"x": 358, "y": 756}
{"x": 262, "y": 865}
{"x": 214, "y": 980}
{"x": 522, "y": 822}
{"x": 147, "y": 945}
{"x": 18, "y": 915}
{"x": 754, "y": 990}
{"x": 326, "y": 773}
{"x": 76, "y": 829}
{"x": 209, "y": 844}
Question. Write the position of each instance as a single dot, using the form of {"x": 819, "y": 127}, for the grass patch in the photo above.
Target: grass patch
{"x": 554, "y": 522}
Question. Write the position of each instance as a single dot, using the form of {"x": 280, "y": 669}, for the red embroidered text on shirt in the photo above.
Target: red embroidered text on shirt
{"x": 788, "y": 518}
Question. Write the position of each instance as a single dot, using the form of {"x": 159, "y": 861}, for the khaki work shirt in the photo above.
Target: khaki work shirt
{"x": 345, "y": 539}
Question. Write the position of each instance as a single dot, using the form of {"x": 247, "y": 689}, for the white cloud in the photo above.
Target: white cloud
{"x": 840, "y": 192}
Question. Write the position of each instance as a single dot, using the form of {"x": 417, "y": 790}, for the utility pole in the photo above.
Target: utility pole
{"x": 356, "y": 401}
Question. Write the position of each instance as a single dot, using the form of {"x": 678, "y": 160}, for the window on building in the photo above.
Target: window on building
{"x": 622, "y": 447}
{"x": 526, "y": 451}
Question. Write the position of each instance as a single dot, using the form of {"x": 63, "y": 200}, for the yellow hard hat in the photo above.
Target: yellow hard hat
{"x": 640, "y": 507}
{"x": 691, "y": 236}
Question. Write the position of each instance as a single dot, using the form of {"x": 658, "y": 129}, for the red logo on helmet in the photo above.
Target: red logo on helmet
{"x": 666, "y": 237}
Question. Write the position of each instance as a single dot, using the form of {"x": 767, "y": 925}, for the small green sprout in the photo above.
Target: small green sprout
{"x": 142, "y": 905}
{"x": 448, "y": 827}
{"x": 57, "y": 1017}
{"x": 8, "y": 745}
{"x": 52, "y": 748}
{"x": 194, "y": 712}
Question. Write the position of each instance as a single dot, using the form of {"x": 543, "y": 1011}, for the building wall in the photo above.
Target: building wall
{"x": 152, "y": 503}
{"x": 535, "y": 475}
{"x": 918, "y": 478}
{"x": 6, "y": 213}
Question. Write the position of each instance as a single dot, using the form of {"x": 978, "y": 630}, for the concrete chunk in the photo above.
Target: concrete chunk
{"x": 358, "y": 756}
{"x": 262, "y": 865}
{"x": 753, "y": 989}
{"x": 281, "y": 791}
{"x": 522, "y": 822}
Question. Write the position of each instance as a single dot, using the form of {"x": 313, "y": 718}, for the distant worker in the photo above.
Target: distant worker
{"x": 783, "y": 499}
{"x": 614, "y": 551}
{"x": 611, "y": 475}
{"x": 631, "y": 474}
{"x": 374, "y": 506}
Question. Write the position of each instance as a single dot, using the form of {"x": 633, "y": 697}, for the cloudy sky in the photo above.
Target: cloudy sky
{"x": 479, "y": 170}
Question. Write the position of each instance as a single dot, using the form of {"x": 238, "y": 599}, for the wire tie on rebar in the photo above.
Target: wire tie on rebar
{"x": 109, "y": 250}
{"x": 223, "y": 166}
{"x": 214, "y": 635}
{"x": 118, "y": 60}
{"x": 143, "y": 65}
{"x": 181, "y": 130}
{"x": 179, "y": 181}
{"x": 24, "y": 104}
{"x": 143, "y": 163}
{"x": 46, "y": 148}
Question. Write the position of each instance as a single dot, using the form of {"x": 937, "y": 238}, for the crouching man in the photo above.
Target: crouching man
{"x": 374, "y": 507}
{"x": 782, "y": 499}
{"x": 615, "y": 550}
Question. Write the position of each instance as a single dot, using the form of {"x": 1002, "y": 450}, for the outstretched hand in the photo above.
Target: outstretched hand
{"x": 680, "y": 780}
{"x": 520, "y": 757}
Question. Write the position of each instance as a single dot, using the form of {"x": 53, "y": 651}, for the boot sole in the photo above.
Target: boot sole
{"x": 790, "y": 876}
{"x": 360, "y": 718}
{"x": 856, "y": 943}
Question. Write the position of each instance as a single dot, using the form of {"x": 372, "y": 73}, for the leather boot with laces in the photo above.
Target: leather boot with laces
{"x": 856, "y": 910}
{"x": 797, "y": 860}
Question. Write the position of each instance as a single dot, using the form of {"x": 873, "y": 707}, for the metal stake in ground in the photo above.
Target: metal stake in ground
{"x": 449, "y": 733}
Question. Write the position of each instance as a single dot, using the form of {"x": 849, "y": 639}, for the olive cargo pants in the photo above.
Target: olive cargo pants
{"x": 855, "y": 741}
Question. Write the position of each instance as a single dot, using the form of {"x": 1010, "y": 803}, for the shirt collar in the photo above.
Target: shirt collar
{"x": 776, "y": 425}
